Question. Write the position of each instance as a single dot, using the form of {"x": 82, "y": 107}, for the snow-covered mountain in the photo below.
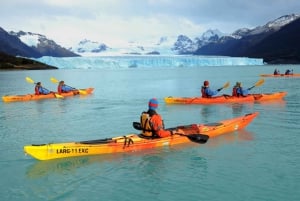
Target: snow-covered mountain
{"x": 270, "y": 27}
{"x": 276, "y": 41}
{"x": 181, "y": 44}
{"x": 211, "y": 42}
{"x": 43, "y": 45}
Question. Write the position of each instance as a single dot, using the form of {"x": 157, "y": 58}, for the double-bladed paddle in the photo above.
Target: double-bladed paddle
{"x": 28, "y": 79}
{"x": 257, "y": 84}
{"x": 198, "y": 138}
{"x": 82, "y": 92}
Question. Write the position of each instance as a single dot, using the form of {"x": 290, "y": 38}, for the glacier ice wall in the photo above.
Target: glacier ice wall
{"x": 146, "y": 61}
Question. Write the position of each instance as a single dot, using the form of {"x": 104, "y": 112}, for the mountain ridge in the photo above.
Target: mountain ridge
{"x": 243, "y": 42}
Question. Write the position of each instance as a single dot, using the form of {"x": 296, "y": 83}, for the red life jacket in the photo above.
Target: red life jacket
{"x": 36, "y": 90}
{"x": 204, "y": 95}
{"x": 234, "y": 91}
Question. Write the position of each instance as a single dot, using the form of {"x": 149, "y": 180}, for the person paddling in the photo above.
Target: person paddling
{"x": 152, "y": 123}
{"x": 62, "y": 88}
{"x": 207, "y": 92}
{"x": 276, "y": 72}
{"x": 238, "y": 91}
{"x": 40, "y": 90}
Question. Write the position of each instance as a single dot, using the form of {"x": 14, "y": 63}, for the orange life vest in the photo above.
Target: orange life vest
{"x": 153, "y": 126}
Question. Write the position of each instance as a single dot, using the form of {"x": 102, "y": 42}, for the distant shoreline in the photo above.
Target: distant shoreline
{"x": 9, "y": 63}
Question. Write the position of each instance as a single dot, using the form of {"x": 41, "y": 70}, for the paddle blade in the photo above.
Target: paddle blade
{"x": 28, "y": 79}
{"x": 54, "y": 80}
{"x": 58, "y": 96}
{"x": 198, "y": 138}
{"x": 137, "y": 125}
{"x": 226, "y": 85}
{"x": 259, "y": 83}
{"x": 82, "y": 92}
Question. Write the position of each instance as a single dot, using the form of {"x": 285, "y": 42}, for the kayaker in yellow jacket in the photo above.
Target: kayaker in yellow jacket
{"x": 152, "y": 123}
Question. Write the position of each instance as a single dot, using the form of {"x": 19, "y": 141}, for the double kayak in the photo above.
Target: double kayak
{"x": 30, "y": 97}
{"x": 281, "y": 75}
{"x": 134, "y": 142}
{"x": 225, "y": 99}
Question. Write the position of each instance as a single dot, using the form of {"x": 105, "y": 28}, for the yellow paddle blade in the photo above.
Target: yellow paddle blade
{"x": 54, "y": 80}
{"x": 58, "y": 96}
{"x": 28, "y": 79}
{"x": 82, "y": 92}
{"x": 226, "y": 85}
{"x": 259, "y": 83}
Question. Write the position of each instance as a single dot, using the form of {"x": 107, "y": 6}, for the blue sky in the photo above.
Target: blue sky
{"x": 117, "y": 21}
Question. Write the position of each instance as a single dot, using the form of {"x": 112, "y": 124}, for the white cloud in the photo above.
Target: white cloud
{"x": 68, "y": 21}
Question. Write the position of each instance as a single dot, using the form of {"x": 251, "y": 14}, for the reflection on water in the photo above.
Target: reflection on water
{"x": 60, "y": 166}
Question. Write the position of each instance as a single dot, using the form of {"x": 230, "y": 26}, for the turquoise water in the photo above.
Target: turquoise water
{"x": 261, "y": 162}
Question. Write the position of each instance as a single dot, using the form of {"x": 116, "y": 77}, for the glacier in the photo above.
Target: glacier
{"x": 146, "y": 61}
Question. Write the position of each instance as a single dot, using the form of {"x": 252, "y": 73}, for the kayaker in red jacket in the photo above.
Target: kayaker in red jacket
{"x": 152, "y": 123}
{"x": 40, "y": 90}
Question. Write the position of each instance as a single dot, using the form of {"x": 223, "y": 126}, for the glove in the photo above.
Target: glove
{"x": 219, "y": 89}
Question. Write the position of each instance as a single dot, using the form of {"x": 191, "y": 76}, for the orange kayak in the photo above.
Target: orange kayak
{"x": 30, "y": 97}
{"x": 135, "y": 142}
{"x": 280, "y": 75}
{"x": 225, "y": 99}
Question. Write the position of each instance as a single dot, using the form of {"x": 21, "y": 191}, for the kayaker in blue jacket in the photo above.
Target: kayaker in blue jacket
{"x": 207, "y": 92}
{"x": 40, "y": 90}
{"x": 239, "y": 91}
{"x": 62, "y": 88}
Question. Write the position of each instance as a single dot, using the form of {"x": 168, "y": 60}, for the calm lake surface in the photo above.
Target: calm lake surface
{"x": 260, "y": 163}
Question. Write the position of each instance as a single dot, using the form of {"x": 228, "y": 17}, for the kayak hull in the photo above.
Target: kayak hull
{"x": 33, "y": 97}
{"x": 225, "y": 99}
{"x": 269, "y": 96}
{"x": 134, "y": 142}
{"x": 280, "y": 75}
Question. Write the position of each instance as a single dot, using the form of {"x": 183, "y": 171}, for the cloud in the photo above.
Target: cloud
{"x": 68, "y": 21}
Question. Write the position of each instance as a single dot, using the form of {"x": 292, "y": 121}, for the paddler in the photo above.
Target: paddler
{"x": 207, "y": 92}
{"x": 238, "y": 91}
{"x": 152, "y": 123}
{"x": 40, "y": 90}
{"x": 62, "y": 88}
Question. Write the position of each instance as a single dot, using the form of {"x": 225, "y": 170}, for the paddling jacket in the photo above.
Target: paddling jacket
{"x": 153, "y": 125}
{"x": 239, "y": 91}
{"x": 207, "y": 92}
{"x": 41, "y": 91}
{"x": 63, "y": 89}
